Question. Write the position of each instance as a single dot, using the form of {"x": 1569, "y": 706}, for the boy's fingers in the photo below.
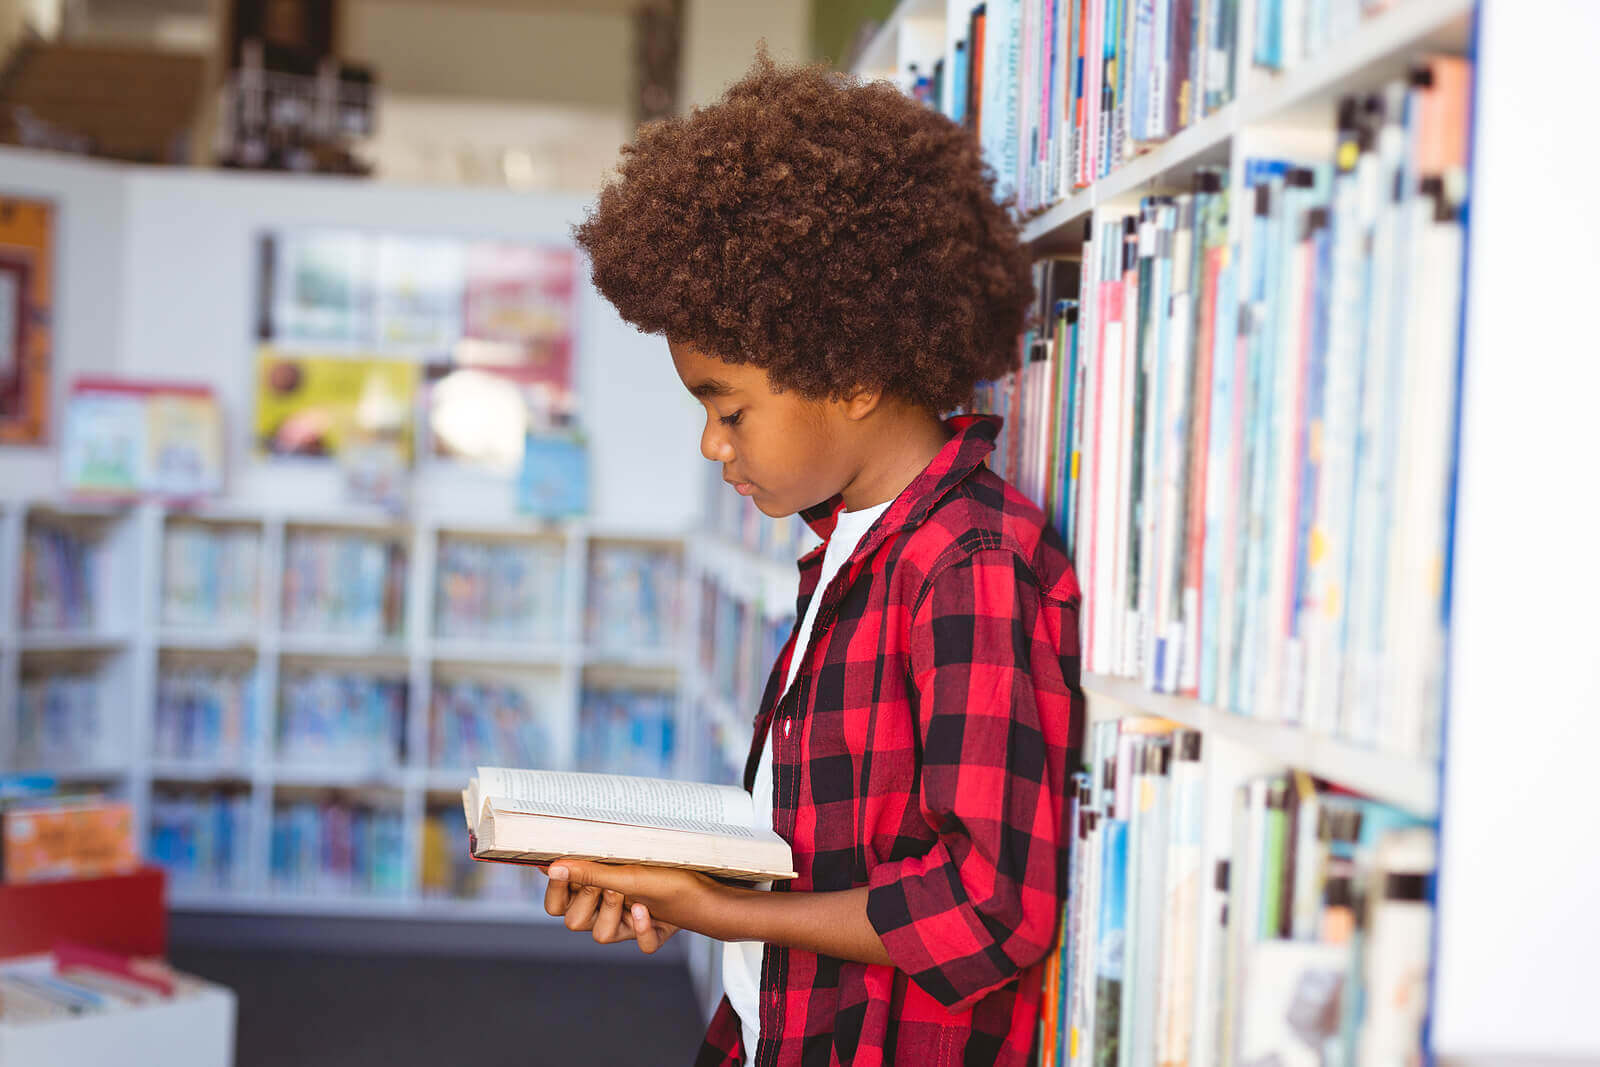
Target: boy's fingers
{"x": 556, "y": 898}
{"x": 600, "y": 875}
{"x": 580, "y": 912}
{"x": 647, "y": 933}
{"x": 608, "y": 920}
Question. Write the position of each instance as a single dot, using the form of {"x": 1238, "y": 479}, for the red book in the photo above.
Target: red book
{"x": 1199, "y": 447}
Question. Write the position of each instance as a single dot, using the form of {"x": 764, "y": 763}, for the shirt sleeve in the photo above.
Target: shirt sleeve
{"x": 992, "y": 705}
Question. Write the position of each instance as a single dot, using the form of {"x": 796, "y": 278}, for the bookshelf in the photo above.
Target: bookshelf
{"x": 1286, "y": 114}
{"x": 208, "y": 643}
{"x": 1378, "y": 50}
{"x": 1407, "y": 784}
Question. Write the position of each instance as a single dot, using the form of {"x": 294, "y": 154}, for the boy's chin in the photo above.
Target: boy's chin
{"x": 772, "y": 509}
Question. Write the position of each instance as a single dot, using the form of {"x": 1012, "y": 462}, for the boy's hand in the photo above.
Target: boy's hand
{"x": 617, "y": 902}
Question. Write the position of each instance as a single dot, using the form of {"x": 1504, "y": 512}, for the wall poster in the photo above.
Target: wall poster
{"x": 131, "y": 438}
{"x": 487, "y": 325}
{"x": 27, "y": 272}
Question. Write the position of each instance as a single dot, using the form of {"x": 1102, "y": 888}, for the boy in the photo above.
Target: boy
{"x": 831, "y": 271}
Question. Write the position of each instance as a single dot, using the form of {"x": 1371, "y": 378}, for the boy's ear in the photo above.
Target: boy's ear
{"x": 862, "y": 401}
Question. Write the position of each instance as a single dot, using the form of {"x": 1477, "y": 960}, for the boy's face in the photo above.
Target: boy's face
{"x": 783, "y": 451}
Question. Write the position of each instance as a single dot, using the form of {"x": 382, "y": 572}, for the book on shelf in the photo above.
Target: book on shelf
{"x": 201, "y": 836}
{"x": 449, "y": 872}
{"x": 59, "y": 722}
{"x": 210, "y": 576}
{"x": 1291, "y": 925}
{"x": 47, "y": 837}
{"x": 337, "y": 847}
{"x": 499, "y": 590}
{"x": 632, "y": 598}
{"x": 335, "y": 717}
{"x": 627, "y": 731}
{"x": 528, "y": 816}
{"x": 60, "y": 568}
{"x": 350, "y": 584}
{"x": 1060, "y": 93}
{"x": 471, "y": 721}
{"x": 1256, "y": 406}
{"x": 204, "y": 713}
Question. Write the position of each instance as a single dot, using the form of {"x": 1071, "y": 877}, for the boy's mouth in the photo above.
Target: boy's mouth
{"x": 743, "y": 488}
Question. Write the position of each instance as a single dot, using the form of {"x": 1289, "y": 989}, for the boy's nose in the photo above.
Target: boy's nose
{"x": 714, "y": 445}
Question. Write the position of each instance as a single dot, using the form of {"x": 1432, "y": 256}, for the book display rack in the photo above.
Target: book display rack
{"x": 294, "y": 702}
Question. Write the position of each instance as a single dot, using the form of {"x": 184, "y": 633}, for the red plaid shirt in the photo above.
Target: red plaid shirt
{"x": 922, "y": 752}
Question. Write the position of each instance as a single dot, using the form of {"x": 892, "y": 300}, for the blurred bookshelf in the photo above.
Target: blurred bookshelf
{"x": 293, "y": 702}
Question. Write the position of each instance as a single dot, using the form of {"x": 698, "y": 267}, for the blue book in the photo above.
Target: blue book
{"x": 960, "y": 71}
{"x": 1112, "y": 930}
{"x": 1269, "y": 34}
{"x": 1140, "y": 63}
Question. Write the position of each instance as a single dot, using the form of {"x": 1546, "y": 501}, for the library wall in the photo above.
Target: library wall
{"x": 720, "y": 36}
{"x": 175, "y": 302}
{"x": 554, "y": 57}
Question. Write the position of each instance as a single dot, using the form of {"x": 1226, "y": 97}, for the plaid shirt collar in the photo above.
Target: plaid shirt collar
{"x": 973, "y": 438}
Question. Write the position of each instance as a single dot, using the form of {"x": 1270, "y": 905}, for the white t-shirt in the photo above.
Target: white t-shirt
{"x": 741, "y": 960}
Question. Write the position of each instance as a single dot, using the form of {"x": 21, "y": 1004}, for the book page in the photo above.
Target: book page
{"x": 659, "y": 822}
{"x": 642, "y": 800}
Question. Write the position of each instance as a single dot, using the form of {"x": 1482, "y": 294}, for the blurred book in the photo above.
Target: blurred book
{"x": 476, "y": 721}
{"x": 47, "y": 839}
{"x": 334, "y": 846}
{"x": 627, "y": 731}
{"x": 201, "y": 836}
{"x": 355, "y": 720}
{"x": 349, "y": 584}
{"x": 633, "y": 598}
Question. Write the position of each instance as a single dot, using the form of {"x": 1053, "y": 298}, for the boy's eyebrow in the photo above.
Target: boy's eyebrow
{"x": 711, "y": 387}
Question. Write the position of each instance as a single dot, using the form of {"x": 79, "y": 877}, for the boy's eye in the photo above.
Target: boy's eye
{"x": 733, "y": 419}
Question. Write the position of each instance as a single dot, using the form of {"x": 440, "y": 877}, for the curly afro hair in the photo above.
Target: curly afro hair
{"x": 834, "y": 233}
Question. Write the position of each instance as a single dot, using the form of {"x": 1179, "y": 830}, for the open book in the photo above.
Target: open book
{"x": 520, "y": 816}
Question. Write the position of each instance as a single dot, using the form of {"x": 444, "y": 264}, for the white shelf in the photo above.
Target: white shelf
{"x": 646, "y": 659}
{"x": 220, "y": 639}
{"x": 71, "y": 641}
{"x": 337, "y": 776}
{"x": 1406, "y": 783}
{"x": 505, "y": 653}
{"x": 1381, "y": 48}
{"x": 342, "y": 645}
{"x": 171, "y": 770}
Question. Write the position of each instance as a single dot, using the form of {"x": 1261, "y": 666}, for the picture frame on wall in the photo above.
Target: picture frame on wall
{"x": 27, "y": 240}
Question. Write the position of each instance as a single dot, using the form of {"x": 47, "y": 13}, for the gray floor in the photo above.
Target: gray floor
{"x": 312, "y": 1010}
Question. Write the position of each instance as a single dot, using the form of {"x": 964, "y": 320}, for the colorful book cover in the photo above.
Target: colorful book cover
{"x": 69, "y": 840}
{"x": 1111, "y": 947}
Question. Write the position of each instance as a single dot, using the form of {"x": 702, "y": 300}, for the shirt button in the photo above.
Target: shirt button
{"x": 788, "y": 724}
